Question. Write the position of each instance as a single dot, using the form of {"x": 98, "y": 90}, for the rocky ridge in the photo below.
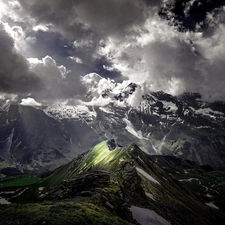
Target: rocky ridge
{"x": 125, "y": 183}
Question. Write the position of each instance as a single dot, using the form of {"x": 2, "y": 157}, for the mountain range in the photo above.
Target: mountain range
{"x": 38, "y": 138}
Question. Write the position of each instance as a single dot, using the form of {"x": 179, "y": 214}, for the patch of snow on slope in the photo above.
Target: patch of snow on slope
{"x": 203, "y": 127}
{"x": 147, "y": 175}
{"x": 5, "y": 107}
{"x": 170, "y": 105}
{"x": 207, "y": 112}
{"x": 4, "y": 201}
{"x": 210, "y": 196}
{"x": 106, "y": 110}
{"x": 150, "y": 196}
{"x": 131, "y": 130}
{"x": 147, "y": 216}
{"x": 212, "y": 205}
{"x": 64, "y": 111}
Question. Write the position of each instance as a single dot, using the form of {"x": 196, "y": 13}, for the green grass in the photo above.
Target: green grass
{"x": 210, "y": 186}
{"x": 19, "y": 181}
{"x": 64, "y": 213}
{"x": 99, "y": 158}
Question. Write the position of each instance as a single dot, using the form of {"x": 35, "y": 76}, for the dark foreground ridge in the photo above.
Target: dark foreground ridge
{"x": 123, "y": 186}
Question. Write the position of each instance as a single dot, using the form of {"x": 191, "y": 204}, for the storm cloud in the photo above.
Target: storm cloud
{"x": 49, "y": 45}
{"x": 42, "y": 79}
{"x": 15, "y": 76}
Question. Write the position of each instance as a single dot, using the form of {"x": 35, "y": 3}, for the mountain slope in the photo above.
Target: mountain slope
{"x": 124, "y": 181}
{"x": 32, "y": 141}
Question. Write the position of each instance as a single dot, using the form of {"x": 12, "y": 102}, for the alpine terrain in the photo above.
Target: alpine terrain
{"x": 112, "y": 112}
{"x": 185, "y": 126}
{"x": 116, "y": 185}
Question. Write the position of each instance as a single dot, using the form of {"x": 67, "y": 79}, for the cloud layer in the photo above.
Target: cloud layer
{"x": 49, "y": 45}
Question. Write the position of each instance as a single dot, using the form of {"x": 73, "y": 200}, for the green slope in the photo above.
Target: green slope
{"x": 99, "y": 158}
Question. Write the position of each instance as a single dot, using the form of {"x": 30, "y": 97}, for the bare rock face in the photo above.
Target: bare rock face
{"x": 84, "y": 184}
{"x": 112, "y": 144}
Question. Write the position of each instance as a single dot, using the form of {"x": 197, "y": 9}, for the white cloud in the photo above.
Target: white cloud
{"x": 96, "y": 84}
{"x": 161, "y": 58}
{"x": 57, "y": 81}
{"x": 19, "y": 37}
{"x": 30, "y": 102}
{"x": 135, "y": 99}
{"x": 156, "y": 56}
{"x": 47, "y": 68}
{"x": 42, "y": 27}
{"x": 100, "y": 101}
{"x": 76, "y": 59}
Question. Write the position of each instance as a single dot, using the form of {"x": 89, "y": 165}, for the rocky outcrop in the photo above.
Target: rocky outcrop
{"x": 84, "y": 184}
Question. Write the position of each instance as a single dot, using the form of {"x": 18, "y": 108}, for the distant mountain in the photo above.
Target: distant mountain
{"x": 120, "y": 186}
{"x": 34, "y": 139}
{"x": 184, "y": 126}
{"x": 30, "y": 140}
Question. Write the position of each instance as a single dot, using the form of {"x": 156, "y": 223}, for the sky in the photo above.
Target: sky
{"x": 60, "y": 51}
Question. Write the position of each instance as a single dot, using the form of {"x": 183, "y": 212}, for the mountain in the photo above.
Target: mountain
{"x": 32, "y": 141}
{"x": 105, "y": 186}
{"x": 185, "y": 126}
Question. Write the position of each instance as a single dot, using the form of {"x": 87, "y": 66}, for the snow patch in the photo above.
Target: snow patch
{"x": 147, "y": 175}
{"x": 5, "y": 107}
{"x": 208, "y": 195}
{"x": 170, "y": 105}
{"x": 146, "y": 216}
{"x": 4, "y": 201}
{"x": 190, "y": 180}
{"x": 131, "y": 130}
{"x": 60, "y": 111}
{"x": 180, "y": 153}
{"x": 212, "y": 205}
{"x": 207, "y": 112}
{"x": 106, "y": 110}
{"x": 150, "y": 196}
{"x": 7, "y": 192}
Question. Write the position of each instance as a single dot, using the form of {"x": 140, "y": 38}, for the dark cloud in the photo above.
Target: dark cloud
{"x": 112, "y": 17}
{"x": 15, "y": 76}
{"x": 79, "y": 17}
{"x": 53, "y": 44}
{"x": 57, "y": 81}
{"x": 190, "y": 14}
{"x": 105, "y": 70}
{"x": 44, "y": 79}
{"x": 88, "y": 22}
{"x": 180, "y": 50}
